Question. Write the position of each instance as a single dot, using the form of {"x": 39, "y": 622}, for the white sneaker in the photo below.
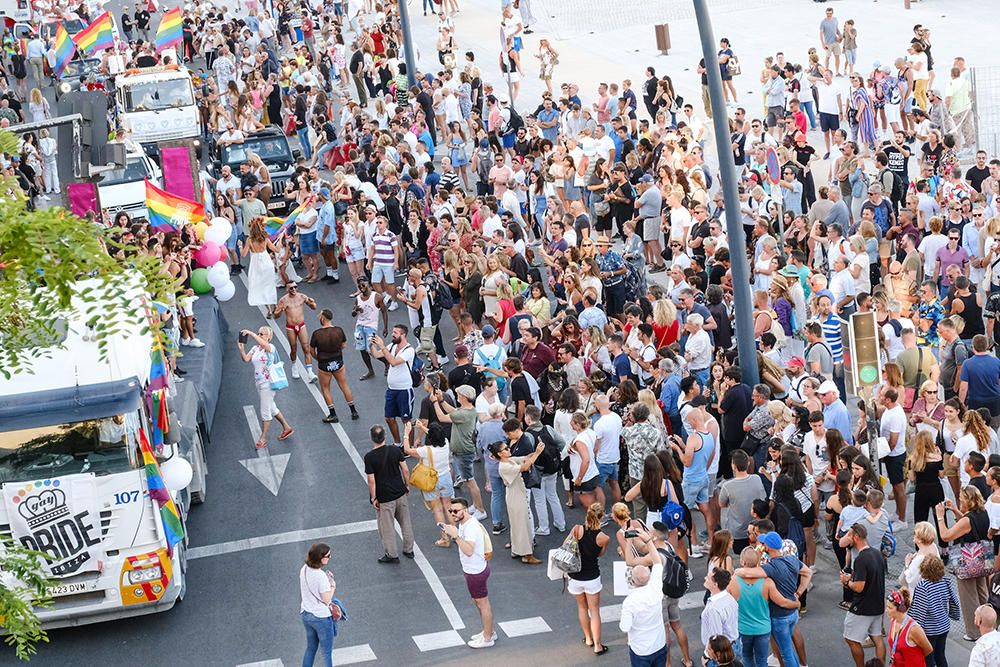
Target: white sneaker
{"x": 898, "y": 525}
{"x": 478, "y": 514}
{"x": 46, "y": 197}
{"x": 311, "y": 375}
{"x": 393, "y": 305}
{"x": 295, "y": 372}
{"x": 443, "y": 360}
{"x": 696, "y": 552}
{"x": 542, "y": 532}
{"x": 185, "y": 341}
{"x": 481, "y": 642}
{"x": 194, "y": 342}
{"x": 772, "y": 661}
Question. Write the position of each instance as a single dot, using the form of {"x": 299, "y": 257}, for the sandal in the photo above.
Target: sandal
{"x": 260, "y": 444}
{"x": 287, "y": 432}
{"x": 367, "y": 376}
{"x": 601, "y": 651}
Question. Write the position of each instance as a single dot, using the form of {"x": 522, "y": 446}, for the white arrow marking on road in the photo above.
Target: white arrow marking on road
{"x": 267, "y": 468}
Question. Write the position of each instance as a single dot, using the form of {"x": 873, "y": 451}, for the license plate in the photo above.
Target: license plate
{"x": 68, "y": 589}
{"x": 275, "y": 204}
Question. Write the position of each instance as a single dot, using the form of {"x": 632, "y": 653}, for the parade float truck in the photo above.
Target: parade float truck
{"x": 74, "y": 483}
{"x": 157, "y": 104}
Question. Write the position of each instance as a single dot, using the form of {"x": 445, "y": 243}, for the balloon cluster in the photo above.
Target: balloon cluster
{"x": 213, "y": 273}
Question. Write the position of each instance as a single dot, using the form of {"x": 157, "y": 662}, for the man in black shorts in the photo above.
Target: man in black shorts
{"x": 328, "y": 343}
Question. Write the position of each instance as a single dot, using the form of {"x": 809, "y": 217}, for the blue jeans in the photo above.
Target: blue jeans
{"x": 658, "y": 659}
{"x": 755, "y": 648}
{"x": 781, "y": 630}
{"x": 303, "y": 135}
{"x": 807, "y": 107}
{"x": 498, "y": 497}
{"x": 319, "y": 635}
{"x": 323, "y": 150}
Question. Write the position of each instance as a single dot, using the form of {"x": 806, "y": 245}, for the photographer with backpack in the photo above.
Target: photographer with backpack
{"x": 549, "y": 464}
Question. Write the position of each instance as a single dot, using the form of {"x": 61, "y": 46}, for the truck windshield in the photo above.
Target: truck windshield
{"x": 155, "y": 95}
{"x": 269, "y": 149}
{"x": 101, "y": 446}
{"x": 135, "y": 170}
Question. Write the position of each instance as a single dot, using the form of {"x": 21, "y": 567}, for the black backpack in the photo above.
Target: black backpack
{"x": 514, "y": 124}
{"x": 675, "y": 574}
{"x": 550, "y": 460}
{"x": 439, "y": 294}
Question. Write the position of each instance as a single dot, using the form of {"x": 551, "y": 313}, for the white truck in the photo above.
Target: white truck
{"x": 124, "y": 189}
{"x": 72, "y": 480}
{"x": 157, "y": 104}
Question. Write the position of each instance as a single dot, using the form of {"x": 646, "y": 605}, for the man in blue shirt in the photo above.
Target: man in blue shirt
{"x": 326, "y": 234}
{"x": 548, "y": 120}
{"x": 980, "y": 378}
{"x": 834, "y": 411}
{"x": 613, "y": 271}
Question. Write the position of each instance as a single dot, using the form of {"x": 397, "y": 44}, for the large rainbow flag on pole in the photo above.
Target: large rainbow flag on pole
{"x": 169, "y": 34}
{"x": 169, "y": 213}
{"x": 97, "y": 36}
{"x": 171, "y": 519}
{"x": 65, "y": 48}
{"x": 275, "y": 226}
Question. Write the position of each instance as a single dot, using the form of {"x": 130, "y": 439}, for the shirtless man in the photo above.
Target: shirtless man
{"x": 295, "y": 325}
{"x": 366, "y": 309}
{"x": 328, "y": 343}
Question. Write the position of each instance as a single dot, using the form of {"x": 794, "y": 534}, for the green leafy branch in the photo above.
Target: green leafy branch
{"x": 24, "y": 588}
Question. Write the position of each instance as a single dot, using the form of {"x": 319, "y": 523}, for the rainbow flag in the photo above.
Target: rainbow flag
{"x": 65, "y": 49}
{"x": 158, "y": 367}
{"x": 97, "y": 36}
{"x": 167, "y": 213}
{"x": 171, "y": 519}
{"x": 275, "y": 226}
{"x": 169, "y": 34}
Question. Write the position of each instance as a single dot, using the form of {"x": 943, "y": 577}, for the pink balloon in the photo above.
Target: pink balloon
{"x": 209, "y": 253}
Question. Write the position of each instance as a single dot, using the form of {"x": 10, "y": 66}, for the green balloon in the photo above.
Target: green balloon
{"x": 199, "y": 281}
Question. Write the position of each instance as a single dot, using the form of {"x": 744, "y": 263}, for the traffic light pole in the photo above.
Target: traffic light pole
{"x": 742, "y": 303}
{"x": 411, "y": 60}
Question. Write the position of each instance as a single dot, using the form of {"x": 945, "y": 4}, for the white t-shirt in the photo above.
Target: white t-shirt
{"x": 472, "y": 531}
{"x": 399, "y": 375}
{"x": 993, "y": 510}
{"x": 483, "y": 404}
{"x": 894, "y": 421}
{"x": 864, "y": 281}
{"x": 441, "y": 458}
{"x": 828, "y": 97}
{"x": 587, "y": 437}
{"x": 609, "y": 429}
{"x": 965, "y": 445}
{"x": 680, "y": 221}
{"x": 929, "y": 247}
{"x": 313, "y": 583}
{"x": 816, "y": 450}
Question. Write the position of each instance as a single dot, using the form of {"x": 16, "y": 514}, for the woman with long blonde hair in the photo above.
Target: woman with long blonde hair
{"x": 451, "y": 269}
{"x": 648, "y": 398}
{"x": 977, "y": 438}
{"x": 666, "y": 326}
{"x": 926, "y": 470}
{"x": 261, "y": 275}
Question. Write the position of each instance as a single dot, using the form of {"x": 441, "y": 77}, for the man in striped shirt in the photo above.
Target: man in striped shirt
{"x": 382, "y": 261}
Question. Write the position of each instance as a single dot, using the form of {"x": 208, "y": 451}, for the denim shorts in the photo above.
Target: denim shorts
{"x": 383, "y": 273}
{"x": 363, "y": 337}
{"x": 606, "y": 472}
{"x": 445, "y": 488}
{"x": 695, "y": 492}
{"x": 463, "y": 467}
{"x": 308, "y": 244}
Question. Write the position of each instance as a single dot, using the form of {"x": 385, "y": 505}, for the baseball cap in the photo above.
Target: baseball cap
{"x": 489, "y": 331}
{"x": 827, "y": 387}
{"x": 466, "y": 391}
{"x": 406, "y": 177}
{"x": 324, "y": 192}
{"x": 771, "y": 540}
{"x": 797, "y": 361}
{"x": 461, "y": 351}
{"x": 646, "y": 178}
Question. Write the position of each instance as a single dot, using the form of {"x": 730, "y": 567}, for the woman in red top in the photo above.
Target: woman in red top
{"x": 908, "y": 644}
{"x": 665, "y": 323}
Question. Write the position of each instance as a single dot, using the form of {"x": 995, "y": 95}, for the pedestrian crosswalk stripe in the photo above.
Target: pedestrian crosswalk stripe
{"x": 525, "y": 626}
{"x": 351, "y": 655}
{"x": 438, "y": 640}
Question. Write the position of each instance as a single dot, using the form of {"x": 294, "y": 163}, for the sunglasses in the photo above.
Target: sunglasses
{"x": 455, "y": 511}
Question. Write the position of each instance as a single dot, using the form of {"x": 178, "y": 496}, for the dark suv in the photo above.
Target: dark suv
{"x": 271, "y": 146}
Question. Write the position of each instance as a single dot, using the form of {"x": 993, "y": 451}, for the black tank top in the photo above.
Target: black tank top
{"x": 972, "y": 315}
{"x": 589, "y": 552}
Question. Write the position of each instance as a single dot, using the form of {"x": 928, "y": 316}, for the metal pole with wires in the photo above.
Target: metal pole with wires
{"x": 404, "y": 26}
{"x": 742, "y": 303}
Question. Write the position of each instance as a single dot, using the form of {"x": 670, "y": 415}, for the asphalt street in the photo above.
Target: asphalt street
{"x": 264, "y": 509}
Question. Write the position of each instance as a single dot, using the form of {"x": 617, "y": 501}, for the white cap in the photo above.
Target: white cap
{"x": 502, "y": 98}
{"x": 827, "y": 387}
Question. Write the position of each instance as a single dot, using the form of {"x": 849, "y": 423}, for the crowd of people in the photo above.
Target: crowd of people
{"x": 548, "y": 379}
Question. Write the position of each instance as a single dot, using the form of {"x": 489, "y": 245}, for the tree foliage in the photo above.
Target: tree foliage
{"x": 42, "y": 255}
{"x": 24, "y": 587}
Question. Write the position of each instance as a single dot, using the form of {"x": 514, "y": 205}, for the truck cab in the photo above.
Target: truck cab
{"x": 124, "y": 189}
{"x": 272, "y": 147}
{"x": 157, "y": 104}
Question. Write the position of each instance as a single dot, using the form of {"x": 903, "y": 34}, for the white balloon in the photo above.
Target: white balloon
{"x": 218, "y": 231}
{"x": 226, "y": 292}
{"x": 177, "y": 472}
{"x": 218, "y": 274}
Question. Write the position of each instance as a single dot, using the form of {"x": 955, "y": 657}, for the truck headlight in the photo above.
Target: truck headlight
{"x": 146, "y": 574}
{"x": 65, "y": 88}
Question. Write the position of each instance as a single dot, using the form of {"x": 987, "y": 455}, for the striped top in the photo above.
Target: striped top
{"x": 385, "y": 248}
{"x": 833, "y": 337}
{"x": 927, "y": 608}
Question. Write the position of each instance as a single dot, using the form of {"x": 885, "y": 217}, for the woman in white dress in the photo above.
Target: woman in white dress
{"x": 261, "y": 290}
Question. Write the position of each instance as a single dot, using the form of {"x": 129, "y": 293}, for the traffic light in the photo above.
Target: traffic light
{"x": 866, "y": 352}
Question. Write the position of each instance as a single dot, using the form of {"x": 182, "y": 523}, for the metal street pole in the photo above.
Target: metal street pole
{"x": 404, "y": 26}
{"x": 742, "y": 303}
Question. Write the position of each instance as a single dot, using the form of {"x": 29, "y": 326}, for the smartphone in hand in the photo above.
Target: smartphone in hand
{"x": 244, "y": 335}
